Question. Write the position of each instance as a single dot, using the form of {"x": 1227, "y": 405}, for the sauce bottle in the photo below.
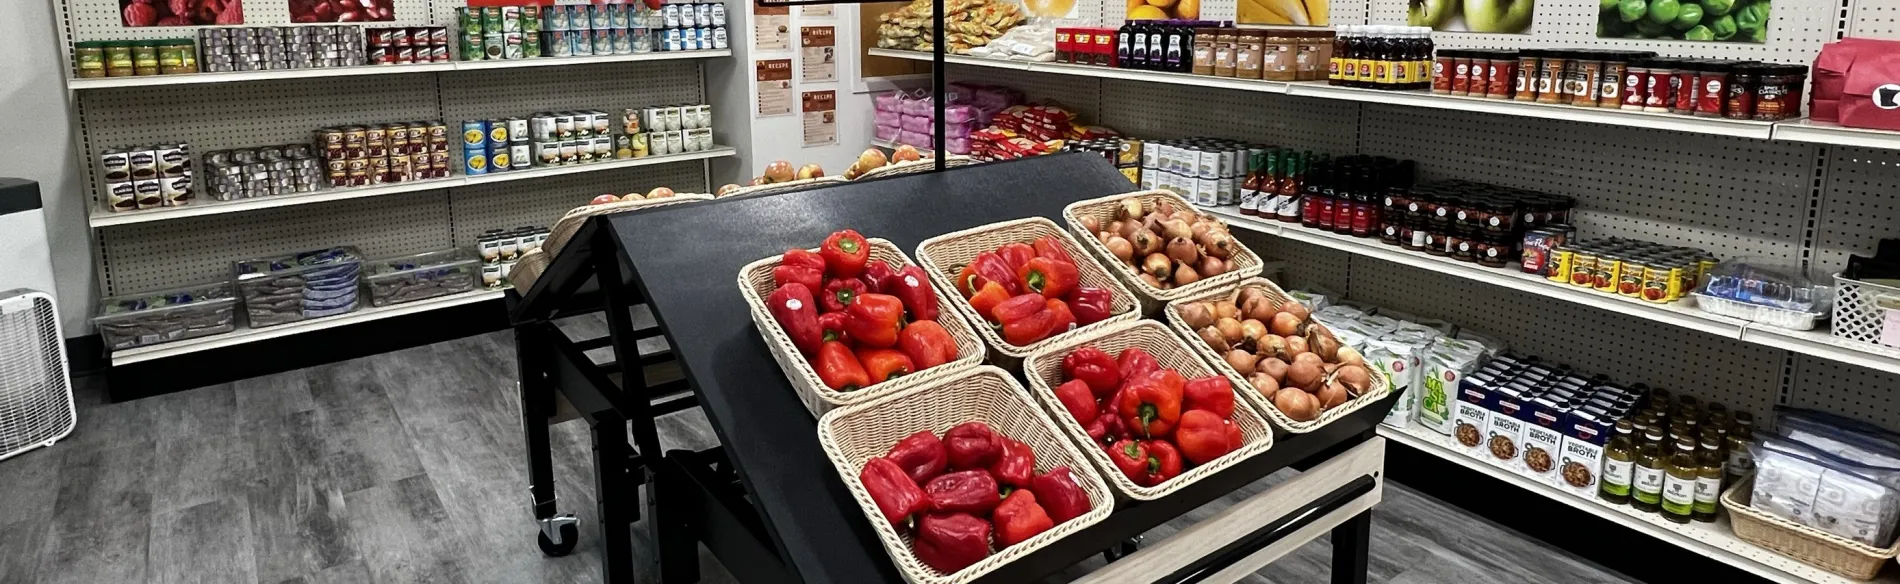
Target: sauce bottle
{"x": 1291, "y": 206}
{"x": 1365, "y": 211}
{"x": 1337, "y": 67}
{"x": 1251, "y": 197}
{"x": 1679, "y": 483}
{"x": 1740, "y": 461}
{"x": 1345, "y": 190}
{"x": 1176, "y": 47}
{"x": 1317, "y": 205}
{"x": 1362, "y": 57}
{"x": 1124, "y": 45}
{"x": 1619, "y": 459}
{"x": 1708, "y": 482}
{"x": 1137, "y": 46}
{"x": 1158, "y": 45}
{"x": 1646, "y": 486}
{"x": 1425, "y": 47}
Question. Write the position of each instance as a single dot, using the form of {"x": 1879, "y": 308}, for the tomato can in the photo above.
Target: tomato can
{"x": 1661, "y": 283}
{"x": 1583, "y": 267}
{"x": 1629, "y": 281}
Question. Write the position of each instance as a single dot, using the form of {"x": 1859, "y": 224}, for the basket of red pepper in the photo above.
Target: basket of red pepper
{"x": 1157, "y": 417}
{"x": 854, "y": 318}
{"x": 1029, "y": 281}
{"x": 962, "y": 475}
{"x": 1159, "y": 246}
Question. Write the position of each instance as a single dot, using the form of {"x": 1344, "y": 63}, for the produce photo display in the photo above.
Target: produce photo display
{"x": 310, "y": 11}
{"x": 1164, "y": 9}
{"x": 1733, "y": 21}
{"x": 144, "y": 13}
{"x": 1490, "y": 16}
{"x": 1285, "y": 12}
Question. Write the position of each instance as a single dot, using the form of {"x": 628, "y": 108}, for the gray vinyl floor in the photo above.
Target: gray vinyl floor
{"x": 408, "y": 467}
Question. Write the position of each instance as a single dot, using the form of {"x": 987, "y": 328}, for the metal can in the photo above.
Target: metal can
{"x": 600, "y": 123}
{"x": 520, "y": 156}
{"x": 670, "y": 16}
{"x": 541, "y": 127}
{"x": 511, "y": 48}
{"x": 530, "y": 19}
{"x": 580, "y": 43}
{"x": 494, "y": 46}
{"x": 563, "y": 126}
{"x": 547, "y": 153}
{"x": 1583, "y": 266}
{"x": 121, "y": 196}
{"x": 337, "y": 171}
{"x": 603, "y": 42}
{"x": 621, "y": 41}
{"x": 531, "y": 45}
{"x": 474, "y": 160}
{"x": 554, "y": 18}
{"x": 675, "y": 142}
{"x": 1630, "y": 276}
{"x": 473, "y": 47}
{"x": 398, "y": 169}
{"x": 1661, "y": 283}
{"x": 557, "y": 44}
{"x": 497, "y": 134}
{"x": 358, "y": 172}
{"x": 656, "y": 143}
{"x": 439, "y": 136}
{"x": 499, "y": 159}
{"x": 491, "y": 19}
{"x": 466, "y": 19}
{"x": 439, "y": 164}
{"x": 600, "y": 16}
{"x": 602, "y": 147}
{"x": 511, "y": 19}
{"x": 378, "y": 170}
{"x": 517, "y": 130}
{"x": 475, "y": 134}
{"x": 1609, "y": 269}
{"x": 570, "y": 151}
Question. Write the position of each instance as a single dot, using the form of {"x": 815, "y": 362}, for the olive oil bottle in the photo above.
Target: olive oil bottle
{"x": 1619, "y": 460}
{"x": 1646, "y": 486}
{"x": 1708, "y": 481}
{"x": 1679, "y": 482}
{"x": 1740, "y": 461}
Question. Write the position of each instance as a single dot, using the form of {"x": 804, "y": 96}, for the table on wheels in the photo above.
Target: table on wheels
{"x": 767, "y": 502}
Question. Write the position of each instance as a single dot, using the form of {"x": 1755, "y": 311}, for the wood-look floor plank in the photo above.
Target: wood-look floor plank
{"x": 405, "y": 536}
{"x": 203, "y": 544}
{"x": 30, "y": 484}
{"x": 21, "y": 544}
{"x": 103, "y": 516}
{"x": 299, "y": 520}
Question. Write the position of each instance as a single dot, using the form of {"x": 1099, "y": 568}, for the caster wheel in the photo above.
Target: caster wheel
{"x": 1121, "y": 550}
{"x": 569, "y": 536}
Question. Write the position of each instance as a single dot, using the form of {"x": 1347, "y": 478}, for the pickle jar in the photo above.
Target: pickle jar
{"x": 119, "y": 59}
{"x": 89, "y": 59}
{"x": 145, "y": 58}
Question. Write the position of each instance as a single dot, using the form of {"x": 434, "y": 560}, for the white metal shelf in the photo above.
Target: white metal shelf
{"x": 108, "y": 218}
{"x": 1714, "y": 540}
{"x": 1099, "y": 72}
{"x": 1681, "y": 314}
{"x": 1805, "y": 130}
{"x": 250, "y": 335}
{"x": 1606, "y": 116}
{"x": 77, "y": 84}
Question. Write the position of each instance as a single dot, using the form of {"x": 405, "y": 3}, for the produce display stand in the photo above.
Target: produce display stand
{"x": 767, "y": 502}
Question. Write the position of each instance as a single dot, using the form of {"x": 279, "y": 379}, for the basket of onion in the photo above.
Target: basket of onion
{"x": 1156, "y": 243}
{"x": 1301, "y": 375}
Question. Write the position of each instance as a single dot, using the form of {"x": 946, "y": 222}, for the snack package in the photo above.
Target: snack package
{"x": 1445, "y": 365}
{"x": 1399, "y": 360}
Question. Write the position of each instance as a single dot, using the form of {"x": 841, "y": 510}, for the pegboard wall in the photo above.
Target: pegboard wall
{"x": 1796, "y": 31}
{"x": 1874, "y": 19}
{"x": 1860, "y": 204}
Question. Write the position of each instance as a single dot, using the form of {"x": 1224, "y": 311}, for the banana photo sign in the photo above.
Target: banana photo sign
{"x": 1492, "y": 16}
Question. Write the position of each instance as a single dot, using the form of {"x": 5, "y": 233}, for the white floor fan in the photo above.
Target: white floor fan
{"x": 36, "y": 394}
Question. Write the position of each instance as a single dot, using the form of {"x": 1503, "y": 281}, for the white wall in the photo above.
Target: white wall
{"x": 734, "y": 88}
{"x": 40, "y": 145}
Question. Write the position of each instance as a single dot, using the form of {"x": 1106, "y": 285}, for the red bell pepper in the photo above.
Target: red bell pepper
{"x": 1212, "y": 393}
{"x": 1234, "y": 438}
{"x": 1202, "y": 436}
{"x": 1025, "y": 319}
{"x": 973, "y": 445}
{"x": 896, "y": 495}
{"x": 967, "y": 491}
{"x": 839, "y": 369}
{"x": 874, "y": 275}
{"x": 1094, "y": 367}
{"x": 952, "y": 541}
{"x": 986, "y": 300}
{"x": 792, "y": 306}
{"x": 1020, "y": 518}
{"x": 1151, "y": 406}
{"x": 1016, "y": 254}
{"x": 883, "y": 364}
{"x": 802, "y": 266}
{"x": 1017, "y": 464}
{"x": 845, "y": 254}
{"x": 927, "y": 344}
{"x": 1096, "y": 430}
{"x": 1131, "y": 458}
{"x": 1050, "y": 247}
{"x": 921, "y": 455}
{"x": 912, "y": 286}
{"x": 875, "y": 320}
{"x": 1064, "y": 320}
{"x": 1091, "y": 305}
{"x": 1059, "y": 495}
{"x": 1075, "y": 397}
{"x": 831, "y": 325}
{"x": 1112, "y": 429}
{"x": 1135, "y": 363}
{"x": 990, "y": 266}
{"x": 1048, "y": 277}
{"x": 841, "y": 292}
{"x": 1164, "y": 462}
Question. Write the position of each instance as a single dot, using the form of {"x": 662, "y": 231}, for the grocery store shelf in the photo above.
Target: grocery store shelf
{"x": 1805, "y": 130}
{"x": 1612, "y": 117}
{"x": 250, "y": 335}
{"x": 1714, "y": 540}
{"x": 1817, "y": 343}
{"x": 109, "y": 218}
{"x": 1100, "y": 72}
{"x": 952, "y": 59}
{"x": 279, "y": 74}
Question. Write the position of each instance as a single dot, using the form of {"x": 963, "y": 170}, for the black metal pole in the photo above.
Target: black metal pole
{"x": 936, "y": 81}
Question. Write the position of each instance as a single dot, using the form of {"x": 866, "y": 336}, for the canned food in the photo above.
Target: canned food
{"x": 623, "y": 146}
{"x": 603, "y": 41}
{"x": 621, "y": 41}
{"x": 656, "y": 143}
{"x": 563, "y": 125}
{"x": 1609, "y": 270}
{"x": 554, "y": 18}
{"x": 474, "y": 161}
{"x": 511, "y": 45}
{"x": 520, "y": 156}
{"x": 600, "y": 123}
{"x": 121, "y": 196}
{"x": 439, "y": 164}
{"x": 116, "y": 165}
{"x": 570, "y": 151}
{"x": 1661, "y": 283}
{"x": 499, "y": 160}
{"x": 474, "y": 134}
{"x": 602, "y": 147}
{"x": 531, "y": 45}
{"x": 1583, "y": 267}
{"x": 580, "y": 43}
{"x": 558, "y": 43}
{"x": 1629, "y": 279}
{"x": 675, "y": 142}
{"x": 149, "y": 193}
{"x": 517, "y": 130}
{"x": 547, "y": 153}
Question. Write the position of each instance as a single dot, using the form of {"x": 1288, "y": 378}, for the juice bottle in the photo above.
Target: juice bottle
{"x": 1619, "y": 458}
{"x": 1708, "y": 482}
{"x": 1679, "y": 482}
{"x": 1647, "y": 485}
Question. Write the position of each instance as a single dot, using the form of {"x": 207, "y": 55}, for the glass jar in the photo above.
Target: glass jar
{"x": 1529, "y": 70}
{"x": 1584, "y": 72}
{"x": 1551, "y": 75}
{"x": 119, "y": 59}
{"x": 89, "y": 59}
{"x": 171, "y": 60}
{"x": 1481, "y": 66}
{"x": 1778, "y": 92}
{"x": 145, "y": 58}
{"x": 1279, "y": 56}
{"x": 1251, "y": 52}
{"x": 1711, "y": 89}
{"x": 1739, "y": 103}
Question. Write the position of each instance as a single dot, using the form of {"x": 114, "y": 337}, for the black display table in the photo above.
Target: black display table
{"x": 684, "y": 261}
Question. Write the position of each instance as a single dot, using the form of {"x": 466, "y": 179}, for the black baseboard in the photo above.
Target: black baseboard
{"x": 297, "y": 351}
{"x": 1606, "y": 543}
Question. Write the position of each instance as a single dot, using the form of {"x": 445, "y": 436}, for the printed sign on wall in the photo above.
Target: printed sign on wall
{"x": 775, "y": 86}
{"x": 821, "y": 117}
{"x": 818, "y": 53}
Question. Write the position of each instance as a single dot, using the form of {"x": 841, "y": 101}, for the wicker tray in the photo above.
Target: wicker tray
{"x": 853, "y": 435}
{"x": 528, "y": 268}
{"x": 569, "y": 224}
{"x": 1044, "y": 371}
{"x": 1811, "y": 546}
{"x": 755, "y": 281}
{"x": 1246, "y": 263}
{"x": 1380, "y": 385}
{"x": 916, "y": 166}
{"x": 946, "y": 254}
{"x": 782, "y": 187}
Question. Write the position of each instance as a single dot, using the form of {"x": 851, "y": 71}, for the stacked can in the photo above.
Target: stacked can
{"x": 146, "y": 177}
{"x": 260, "y": 172}
{"x": 358, "y": 156}
{"x": 499, "y": 32}
{"x": 1124, "y": 153}
{"x": 280, "y": 47}
{"x": 674, "y": 129}
{"x": 1629, "y": 267}
{"x": 413, "y": 44}
{"x": 1206, "y": 171}
{"x": 575, "y": 137}
{"x": 501, "y": 248}
{"x": 690, "y": 27}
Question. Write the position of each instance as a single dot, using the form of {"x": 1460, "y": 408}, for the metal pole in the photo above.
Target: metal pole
{"x": 936, "y": 81}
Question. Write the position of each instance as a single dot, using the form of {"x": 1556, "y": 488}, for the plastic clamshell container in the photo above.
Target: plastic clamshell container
{"x": 299, "y": 286}
{"x": 422, "y": 276}
{"x": 163, "y": 316}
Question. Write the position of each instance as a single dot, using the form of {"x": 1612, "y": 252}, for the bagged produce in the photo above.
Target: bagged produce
{"x": 1825, "y": 492}
{"x": 1445, "y": 365}
{"x": 1842, "y": 437}
{"x": 1400, "y": 361}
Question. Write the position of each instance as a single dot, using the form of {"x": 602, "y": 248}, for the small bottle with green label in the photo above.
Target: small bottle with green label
{"x": 1741, "y": 462}
{"x": 1708, "y": 481}
{"x": 1646, "y": 485}
{"x": 1619, "y": 460}
{"x": 1679, "y": 482}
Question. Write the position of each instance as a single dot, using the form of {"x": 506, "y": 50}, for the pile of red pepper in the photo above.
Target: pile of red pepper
{"x": 967, "y": 492}
{"x": 859, "y": 321}
{"x": 1031, "y": 291}
{"x": 1152, "y": 422}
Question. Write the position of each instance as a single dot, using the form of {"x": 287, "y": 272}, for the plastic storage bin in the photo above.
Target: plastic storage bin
{"x": 299, "y": 286}
{"x": 422, "y": 276}
{"x": 1860, "y": 311}
{"x": 150, "y": 318}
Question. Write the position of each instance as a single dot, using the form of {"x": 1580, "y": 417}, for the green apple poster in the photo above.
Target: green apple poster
{"x": 1731, "y": 21}
{"x": 1489, "y": 16}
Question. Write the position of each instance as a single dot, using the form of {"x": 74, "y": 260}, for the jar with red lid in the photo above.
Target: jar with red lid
{"x": 1683, "y": 86}
{"x": 1492, "y": 252}
{"x": 1711, "y": 91}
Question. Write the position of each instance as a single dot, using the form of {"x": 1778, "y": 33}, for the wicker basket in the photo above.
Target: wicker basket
{"x": 1245, "y": 263}
{"x": 782, "y": 187}
{"x": 1380, "y": 385}
{"x": 915, "y": 166}
{"x": 853, "y": 435}
{"x": 1044, "y": 371}
{"x": 944, "y": 255}
{"x": 1812, "y": 546}
{"x": 528, "y": 268}
{"x": 569, "y": 224}
{"x": 755, "y": 281}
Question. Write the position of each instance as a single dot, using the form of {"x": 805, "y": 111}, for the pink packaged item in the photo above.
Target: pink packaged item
{"x": 918, "y": 139}
{"x": 917, "y": 124}
{"x": 959, "y": 114}
{"x": 957, "y": 145}
{"x": 887, "y": 133}
{"x": 889, "y": 101}
{"x": 962, "y": 130}
{"x": 920, "y": 106}
{"x": 888, "y": 118}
